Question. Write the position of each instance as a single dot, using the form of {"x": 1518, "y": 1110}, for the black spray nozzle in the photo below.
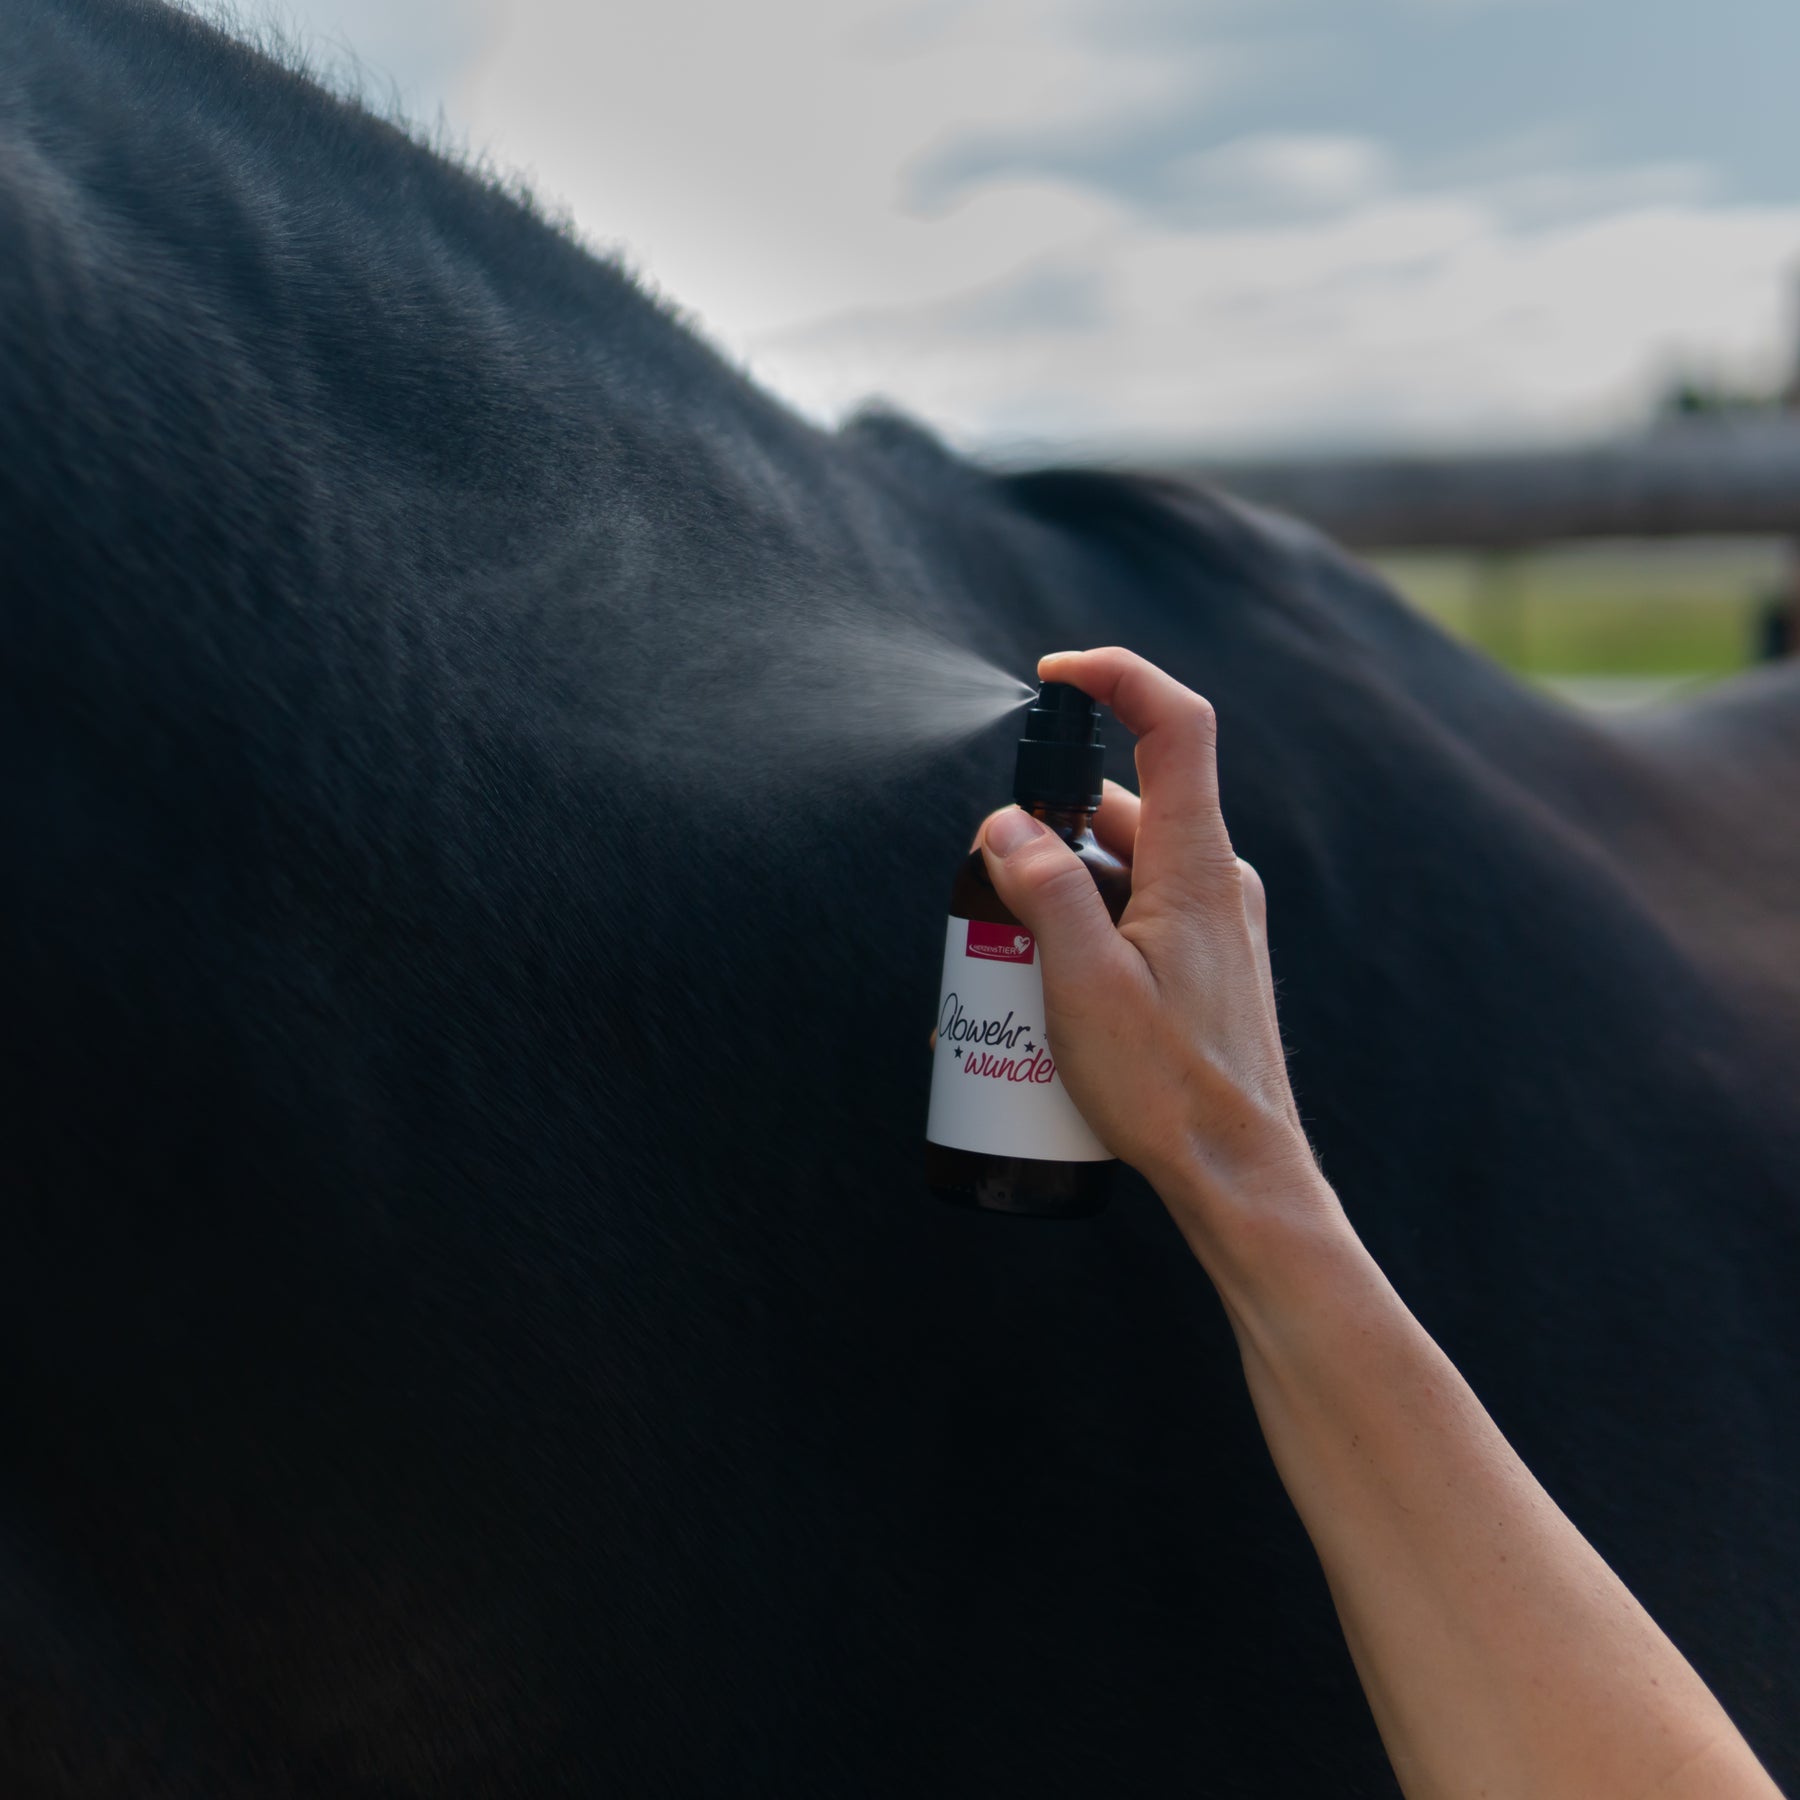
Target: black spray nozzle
{"x": 1060, "y": 755}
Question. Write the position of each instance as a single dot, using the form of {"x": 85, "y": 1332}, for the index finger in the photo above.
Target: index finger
{"x": 1181, "y": 832}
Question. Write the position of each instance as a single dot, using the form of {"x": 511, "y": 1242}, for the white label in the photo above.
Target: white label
{"x": 994, "y": 1085}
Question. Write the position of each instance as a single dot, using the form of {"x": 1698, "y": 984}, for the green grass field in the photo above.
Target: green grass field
{"x": 1682, "y": 610}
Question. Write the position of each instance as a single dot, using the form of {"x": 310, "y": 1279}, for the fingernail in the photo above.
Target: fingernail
{"x": 1012, "y": 830}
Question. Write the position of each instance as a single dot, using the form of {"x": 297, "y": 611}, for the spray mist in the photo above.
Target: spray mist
{"x": 1002, "y": 1131}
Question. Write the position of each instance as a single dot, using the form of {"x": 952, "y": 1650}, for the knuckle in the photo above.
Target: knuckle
{"x": 1059, "y": 880}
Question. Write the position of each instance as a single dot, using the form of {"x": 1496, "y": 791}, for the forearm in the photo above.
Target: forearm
{"x": 1498, "y": 1651}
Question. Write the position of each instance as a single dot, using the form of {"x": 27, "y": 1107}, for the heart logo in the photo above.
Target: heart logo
{"x": 999, "y": 943}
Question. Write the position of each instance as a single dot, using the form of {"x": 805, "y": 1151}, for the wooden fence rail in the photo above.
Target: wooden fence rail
{"x": 1707, "y": 478}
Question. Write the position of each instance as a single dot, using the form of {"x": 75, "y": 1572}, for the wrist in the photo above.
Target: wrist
{"x": 1263, "y": 1221}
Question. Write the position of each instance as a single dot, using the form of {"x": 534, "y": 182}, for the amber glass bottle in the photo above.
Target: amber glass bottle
{"x": 1003, "y": 1134}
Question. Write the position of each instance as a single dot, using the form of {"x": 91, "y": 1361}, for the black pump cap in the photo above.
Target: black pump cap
{"x": 1060, "y": 755}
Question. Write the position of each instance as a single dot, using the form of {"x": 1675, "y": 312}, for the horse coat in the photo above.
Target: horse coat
{"x": 474, "y": 1324}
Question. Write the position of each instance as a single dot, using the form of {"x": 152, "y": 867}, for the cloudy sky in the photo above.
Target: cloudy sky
{"x": 1225, "y": 224}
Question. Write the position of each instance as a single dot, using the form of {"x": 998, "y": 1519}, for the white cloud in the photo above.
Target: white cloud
{"x": 834, "y": 192}
{"x": 1407, "y": 318}
{"x": 1279, "y": 172}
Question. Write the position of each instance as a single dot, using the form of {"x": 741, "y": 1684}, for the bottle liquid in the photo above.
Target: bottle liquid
{"x": 1002, "y": 1132}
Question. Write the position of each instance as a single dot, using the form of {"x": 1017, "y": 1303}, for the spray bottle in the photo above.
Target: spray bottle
{"x": 1002, "y": 1131}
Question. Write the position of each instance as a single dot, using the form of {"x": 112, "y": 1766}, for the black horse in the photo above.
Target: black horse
{"x": 473, "y": 1321}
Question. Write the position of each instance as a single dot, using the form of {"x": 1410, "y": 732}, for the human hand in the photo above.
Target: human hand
{"x": 1164, "y": 1026}
{"x": 1495, "y": 1646}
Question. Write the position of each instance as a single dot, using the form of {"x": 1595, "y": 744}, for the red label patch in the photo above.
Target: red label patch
{"x": 1000, "y": 943}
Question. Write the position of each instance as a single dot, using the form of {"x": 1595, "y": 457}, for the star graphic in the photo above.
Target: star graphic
{"x": 1030, "y": 1049}
{"x": 956, "y": 1053}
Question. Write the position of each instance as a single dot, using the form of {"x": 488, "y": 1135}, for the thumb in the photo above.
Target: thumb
{"x": 1043, "y": 883}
